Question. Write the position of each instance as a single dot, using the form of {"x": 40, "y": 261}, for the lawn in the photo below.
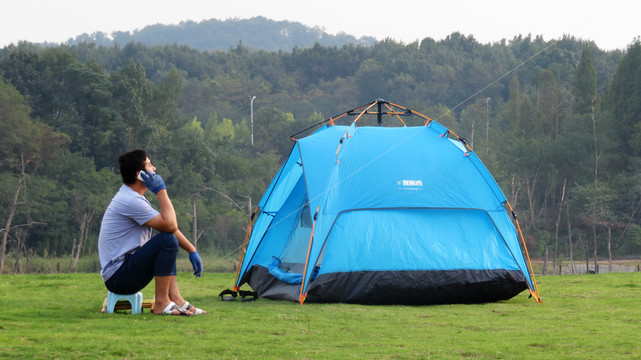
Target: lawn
{"x": 583, "y": 317}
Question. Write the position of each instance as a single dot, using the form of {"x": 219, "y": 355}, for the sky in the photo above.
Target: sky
{"x": 611, "y": 24}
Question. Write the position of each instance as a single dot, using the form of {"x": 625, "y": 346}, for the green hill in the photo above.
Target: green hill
{"x": 213, "y": 34}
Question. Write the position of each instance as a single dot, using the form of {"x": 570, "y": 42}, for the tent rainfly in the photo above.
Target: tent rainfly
{"x": 384, "y": 215}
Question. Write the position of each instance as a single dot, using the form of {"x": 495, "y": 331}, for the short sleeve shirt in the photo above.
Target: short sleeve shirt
{"x": 123, "y": 229}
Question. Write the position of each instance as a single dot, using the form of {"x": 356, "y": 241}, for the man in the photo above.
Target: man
{"x": 130, "y": 257}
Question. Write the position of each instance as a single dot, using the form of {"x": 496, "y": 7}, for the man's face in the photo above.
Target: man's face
{"x": 149, "y": 167}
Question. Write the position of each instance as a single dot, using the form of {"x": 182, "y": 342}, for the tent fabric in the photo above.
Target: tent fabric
{"x": 384, "y": 215}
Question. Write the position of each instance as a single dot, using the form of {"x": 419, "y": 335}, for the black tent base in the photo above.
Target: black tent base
{"x": 422, "y": 287}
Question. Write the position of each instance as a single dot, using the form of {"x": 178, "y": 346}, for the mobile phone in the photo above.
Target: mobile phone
{"x": 140, "y": 176}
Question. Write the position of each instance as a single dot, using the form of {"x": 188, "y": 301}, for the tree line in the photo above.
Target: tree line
{"x": 212, "y": 34}
{"x": 556, "y": 123}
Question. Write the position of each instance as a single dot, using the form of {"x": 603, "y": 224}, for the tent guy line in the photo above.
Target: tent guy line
{"x": 553, "y": 43}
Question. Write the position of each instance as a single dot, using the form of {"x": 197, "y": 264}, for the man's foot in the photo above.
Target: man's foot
{"x": 194, "y": 310}
{"x": 173, "y": 309}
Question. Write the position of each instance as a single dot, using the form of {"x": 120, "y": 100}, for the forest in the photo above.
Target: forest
{"x": 556, "y": 123}
{"x": 213, "y": 34}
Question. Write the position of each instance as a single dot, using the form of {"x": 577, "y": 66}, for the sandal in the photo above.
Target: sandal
{"x": 189, "y": 307}
{"x": 169, "y": 310}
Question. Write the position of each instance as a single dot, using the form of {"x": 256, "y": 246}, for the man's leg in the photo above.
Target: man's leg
{"x": 165, "y": 273}
{"x": 175, "y": 296}
{"x": 174, "y": 293}
{"x": 166, "y": 292}
{"x": 167, "y": 285}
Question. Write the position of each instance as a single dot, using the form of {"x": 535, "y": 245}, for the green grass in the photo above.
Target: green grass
{"x": 58, "y": 316}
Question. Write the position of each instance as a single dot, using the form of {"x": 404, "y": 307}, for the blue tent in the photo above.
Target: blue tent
{"x": 384, "y": 215}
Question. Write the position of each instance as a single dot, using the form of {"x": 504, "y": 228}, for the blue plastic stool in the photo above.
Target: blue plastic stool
{"x": 134, "y": 299}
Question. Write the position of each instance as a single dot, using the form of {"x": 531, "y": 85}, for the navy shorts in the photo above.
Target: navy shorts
{"x": 156, "y": 258}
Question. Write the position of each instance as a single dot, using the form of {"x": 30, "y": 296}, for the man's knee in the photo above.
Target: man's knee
{"x": 169, "y": 241}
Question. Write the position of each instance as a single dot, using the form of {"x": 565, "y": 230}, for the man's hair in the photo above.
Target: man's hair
{"x": 130, "y": 163}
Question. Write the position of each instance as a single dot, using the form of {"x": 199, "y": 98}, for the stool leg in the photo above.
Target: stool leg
{"x": 136, "y": 303}
{"x": 111, "y": 302}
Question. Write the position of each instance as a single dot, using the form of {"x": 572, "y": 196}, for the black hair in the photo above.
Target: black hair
{"x": 130, "y": 163}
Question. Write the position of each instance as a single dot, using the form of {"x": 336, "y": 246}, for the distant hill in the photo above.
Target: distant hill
{"x": 213, "y": 34}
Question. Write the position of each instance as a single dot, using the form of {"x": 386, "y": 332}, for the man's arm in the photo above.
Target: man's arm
{"x": 184, "y": 243}
{"x": 165, "y": 221}
{"x": 194, "y": 258}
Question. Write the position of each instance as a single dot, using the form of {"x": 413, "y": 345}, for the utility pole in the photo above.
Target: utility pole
{"x": 487, "y": 128}
{"x": 251, "y": 105}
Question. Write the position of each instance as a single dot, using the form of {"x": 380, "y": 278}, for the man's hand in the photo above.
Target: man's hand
{"x": 153, "y": 182}
{"x": 197, "y": 263}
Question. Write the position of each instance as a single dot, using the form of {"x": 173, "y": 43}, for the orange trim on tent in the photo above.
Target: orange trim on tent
{"x": 534, "y": 292}
{"x": 469, "y": 148}
{"x": 338, "y": 117}
{"x": 392, "y": 112}
{"x": 427, "y": 118}
{"x": 353, "y": 122}
{"x": 461, "y": 140}
{"x": 244, "y": 249}
{"x": 302, "y": 297}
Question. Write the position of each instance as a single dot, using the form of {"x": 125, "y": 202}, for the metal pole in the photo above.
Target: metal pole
{"x": 252, "y": 116}
{"x": 487, "y": 128}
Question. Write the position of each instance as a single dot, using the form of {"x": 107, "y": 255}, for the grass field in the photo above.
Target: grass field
{"x": 58, "y": 316}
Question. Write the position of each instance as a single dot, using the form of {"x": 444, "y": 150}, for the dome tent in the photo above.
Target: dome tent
{"x": 384, "y": 215}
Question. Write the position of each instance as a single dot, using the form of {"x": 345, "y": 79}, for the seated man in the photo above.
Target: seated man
{"x": 129, "y": 256}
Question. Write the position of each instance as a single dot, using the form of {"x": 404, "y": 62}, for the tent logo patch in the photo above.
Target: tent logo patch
{"x": 410, "y": 184}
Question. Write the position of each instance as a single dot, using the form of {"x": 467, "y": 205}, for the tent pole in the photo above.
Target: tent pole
{"x": 535, "y": 291}
{"x": 301, "y": 297}
{"x": 250, "y": 226}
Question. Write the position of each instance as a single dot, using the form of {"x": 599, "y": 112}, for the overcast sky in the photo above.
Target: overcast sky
{"x": 611, "y": 24}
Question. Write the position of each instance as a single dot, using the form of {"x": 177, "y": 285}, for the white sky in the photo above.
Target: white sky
{"x": 611, "y": 24}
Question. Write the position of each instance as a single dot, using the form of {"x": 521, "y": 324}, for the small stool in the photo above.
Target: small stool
{"x": 134, "y": 299}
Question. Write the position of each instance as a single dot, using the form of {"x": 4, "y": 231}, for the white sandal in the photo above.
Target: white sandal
{"x": 189, "y": 307}
{"x": 169, "y": 310}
